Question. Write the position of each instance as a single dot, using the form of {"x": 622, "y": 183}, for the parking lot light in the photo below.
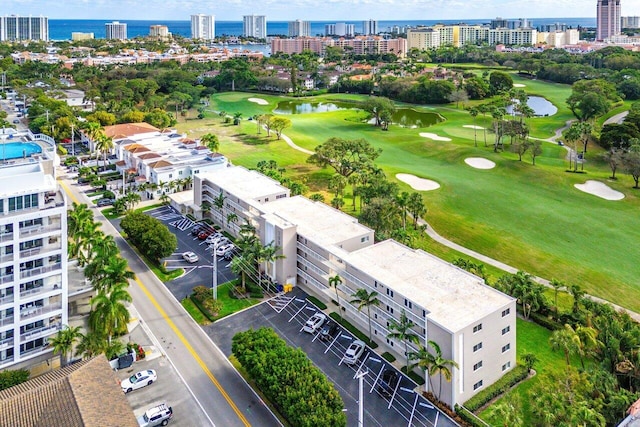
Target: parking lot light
{"x": 214, "y": 269}
{"x": 360, "y": 375}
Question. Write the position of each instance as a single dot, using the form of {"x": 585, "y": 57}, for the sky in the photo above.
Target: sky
{"x": 312, "y": 10}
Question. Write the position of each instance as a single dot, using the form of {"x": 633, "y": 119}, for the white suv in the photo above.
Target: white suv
{"x": 156, "y": 416}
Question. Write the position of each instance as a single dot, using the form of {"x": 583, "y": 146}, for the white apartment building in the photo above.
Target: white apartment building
{"x": 254, "y": 26}
{"x": 423, "y": 38}
{"x": 19, "y": 28}
{"x": 116, "y": 30}
{"x": 159, "y": 32}
{"x": 340, "y": 29}
{"x": 33, "y": 251}
{"x": 630, "y": 21}
{"x": 474, "y": 324}
{"x": 370, "y": 27}
{"x": 559, "y": 38}
{"x": 460, "y": 35}
{"x": 607, "y": 19}
{"x": 299, "y": 28}
{"x": 203, "y": 27}
{"x": 518, "y": 36}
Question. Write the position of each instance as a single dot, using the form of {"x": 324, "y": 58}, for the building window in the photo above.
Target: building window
{"x": 477, "y": 328}
{"x": 506, "y": 366}
{"x": 408, "y": 303}
{"x": 506, "y": 330}
{"x": 23, "y": 202}
{"x": 266, "y": 199}
{"x": 506, "y": 312}
{"x": 506, "y": 347}
{"x": 364, "y": 239}
{"x": 170, "y": 175}
{"x": 375, "y": 284}
{"x": 424, "y": 313}
{"x": 478, "y": 366}
{"x": 390, "y": 292}
{"x": 389, "y": 342}
{"x": 477, "y": 385}
{"x": 390, "y": 309}
{"x": 477, "y": 346}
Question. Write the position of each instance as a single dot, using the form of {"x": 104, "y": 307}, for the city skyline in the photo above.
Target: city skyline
{"x": 278, "y": 10}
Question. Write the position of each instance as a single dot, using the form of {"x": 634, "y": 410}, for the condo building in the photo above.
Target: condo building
{"x": 254, "y": 26}
{"x": 299, "y": 28}
{"x": 203, "y": 27}
{"x": 340, "y": 29}
{"x": 370, "y": 27}
{"x": 33, "y": 250}
{"x": 474, "y": 324}
{"x": 461, "y": 34}
{"x": 607, "y": 19}
{"x": 18, "y": 28}
{"x": 160, "y": 32}
{"x": 631, "y": 22}
{"x": 361, "y": 45}
{"x": 116, "y": 30}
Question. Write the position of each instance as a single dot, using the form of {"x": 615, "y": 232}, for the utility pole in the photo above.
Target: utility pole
{"x": 73, "y": 145}
{"x": 360, "y": 376}
{"x": 214, "y": 269}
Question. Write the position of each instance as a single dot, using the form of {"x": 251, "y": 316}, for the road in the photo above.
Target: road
{"x": 221, "y": 392}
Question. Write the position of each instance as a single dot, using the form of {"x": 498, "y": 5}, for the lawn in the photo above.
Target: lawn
{"x": 529, "y": 217}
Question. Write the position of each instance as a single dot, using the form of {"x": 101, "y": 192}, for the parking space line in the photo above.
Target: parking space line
{"x": 395, "y": 391}
{"x": 332, "y": 342}
{"x": 362, "y": 364}
{"x": 377, "y": 378}
{"x": 292, "y": 317}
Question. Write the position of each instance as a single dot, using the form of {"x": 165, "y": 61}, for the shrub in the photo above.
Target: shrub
{"x": 468, "y": 418}
{"x": 388, "y": 357}
{"x": 286, "y": 376}
{"x": 11, "y": 378}
{"x": 510, "y": 379}
{"x": 315, "y": 301}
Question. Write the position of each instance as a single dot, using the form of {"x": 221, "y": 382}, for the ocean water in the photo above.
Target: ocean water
{"x": 61, "y": 29}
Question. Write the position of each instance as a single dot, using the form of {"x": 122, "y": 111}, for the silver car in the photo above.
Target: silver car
{"x": 354, "y": 352}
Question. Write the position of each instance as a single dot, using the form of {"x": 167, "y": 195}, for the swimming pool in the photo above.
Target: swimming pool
{"x": 18, "y": 150}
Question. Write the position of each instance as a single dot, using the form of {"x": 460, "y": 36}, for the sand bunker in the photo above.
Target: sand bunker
{"x": 479, "y": 163}
{"x": 600, "y": 189}
{"x": 258, "y": 101}
{"x": 416, "y": 183}
{"x": 472, "y": 127}
{"x": 434, "y": 136}
{"x": 519, "y": 85}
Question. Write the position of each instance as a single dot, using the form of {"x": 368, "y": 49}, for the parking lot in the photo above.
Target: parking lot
{"x": 287, "y": 314}
{"x": 197, "y": 273}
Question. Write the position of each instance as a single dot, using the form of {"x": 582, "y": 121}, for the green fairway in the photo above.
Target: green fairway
{"x": 527, "y": 216}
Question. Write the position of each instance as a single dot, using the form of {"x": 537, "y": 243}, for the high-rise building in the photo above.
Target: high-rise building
{"x": 299, "y": 28}
{"x": 116, "y": 30}
{"x": 17, "y": 28}
{"x": 254, "y": 26}
{"x": 608, "y": 19}
{"x": 203, "y": 27}
{"x": 370, "y": 27}
{"x": 339, "y": 29}
{"x": 33, "y": 251}
{"x": 160, "y": 32}
{"x": 631, "y": 22}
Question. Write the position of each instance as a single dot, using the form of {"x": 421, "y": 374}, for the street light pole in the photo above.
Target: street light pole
{"x": 73, "y": 141}
{"x": 214, "y": 269}
{"x": 360, "y": 375}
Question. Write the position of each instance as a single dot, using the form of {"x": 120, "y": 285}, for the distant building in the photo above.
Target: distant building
{"x": 116, "y": 30}
{"x": 559, "y": 38}
{"x": 499, "y": 23}
{"x": 340, "y": 29}
{"x": 549, "y": 28}
{"x": 254, "y": 26}
{"x": 462, "y": 34}
{"x": 160, "y": 32}
{"x": 18, "y": 28}
{"x": 361, "y": 45}
{"x": 423, "y": 38}
{"x": 203, "y": 27}
{"x": 299, "y": 28}
{"x": 607, "y": 19}
{"x": 75, "y": 36}
{"x": 631, "y": 22}
{"x": 370, "y": 27}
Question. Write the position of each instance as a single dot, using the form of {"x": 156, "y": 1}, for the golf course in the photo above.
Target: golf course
{"x": 532, "y": 217}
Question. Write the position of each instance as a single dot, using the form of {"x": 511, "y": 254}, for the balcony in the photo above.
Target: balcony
{"x": 27, "y": 313}
{"x": 39, "y": 290}
{"x": 40, "y": 250}
{"x": 37, "y": 333}
{"x": 6, "y": 299}
{"x": 6, "y": 278}
{"x": 7, "y": 342}
{"x": 39, "y": 229}
{"x": 35, "y": 350}
{"x": 6, "y": 236}
{"x": 6, "y": 258}
{"x": 7, "y": 359}
{"x": 40, "y": 270}
{"x": 6, "y": 321}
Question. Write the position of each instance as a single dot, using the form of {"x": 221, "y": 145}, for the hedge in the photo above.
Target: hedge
{"x": 501, "y": 386}
{"x": 286, "y": 376}
{"x": 11, "y": 378}
{"x": 468, "y": 417}
{"x": 315, "y": 301}
{"x": 388, "y": 357}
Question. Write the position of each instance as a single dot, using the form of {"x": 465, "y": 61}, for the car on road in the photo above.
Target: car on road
{"x": 314, "y": 323}
{"x": 157, "y": 416}
{"x": 190, "y": 257}
{"x": 224, "y": 248}
{"x": 105, "y": 202}
{"x": 354, "y": 351}
{"x": 16, "y": 121}
{"x": 139, "y": 380}
{"x": 329, "y": 331}
{"x": 388, "y": 382}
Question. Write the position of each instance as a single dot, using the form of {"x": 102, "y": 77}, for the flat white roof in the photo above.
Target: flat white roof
{"x": 243, "y": 183}
{"x": 452, "y": 297}
{"x": 317, "y": 221}
{"x": 24, "y": 179}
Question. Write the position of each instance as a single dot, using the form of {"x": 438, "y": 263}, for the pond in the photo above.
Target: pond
{"x": 405, "y": 117}
{"x": 539, "y": 105}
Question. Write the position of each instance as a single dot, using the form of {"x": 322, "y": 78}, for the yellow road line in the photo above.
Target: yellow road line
{"x": 68, "y": 191}
{"x": 193, "y": 353}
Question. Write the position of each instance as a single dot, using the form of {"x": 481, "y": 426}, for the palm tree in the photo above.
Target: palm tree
{"x": 93, "y": 130}
{"x": 402, "y": 200}
{"x": 334, "y": 282}
{"x": 415, "y": 204}
{"x": 231, "y": 217}
{"x": 236, "y": 118}
{"x": 577, "y": 293}
{"x": 509, "y": 412}
{"x": 187, "y": 182}
{"x": 109, "y": 314}
{"x": 566, "y": 340}
{"x": 114, "y": 271}
{"x": 91, "y": 344}
{"x": 269, "y": 254}
{"x": 474, "y": 113}
{"x": 63, "y": 342}
{"x": 556, "y": 285}
{"x": 211, "y": 142}
{"x": 164, "y": 199}
{"x": 424, "y": 362}
{"x": 441, "y": 365}
{"x": 104, "y": 144}
{"x": 402, "y": 331}
{"x": 362, "y": 298}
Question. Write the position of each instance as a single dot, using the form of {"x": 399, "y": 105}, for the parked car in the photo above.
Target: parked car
{"x": 354, "y": 351}
{"x": 224, "y": 248}
{"x": 388, "y": 382}
{"x": 196, "y": 229}
{"x": 138, "y": 380}
{"x": 157, "y": 416}
{"x": 16, "y": 121}
{"x": 314, "y": 323}
{"x": 204, "y": 234}
{"x": 190, "y": 257}
{"x": 219, "y": 240}
{"x": 213, "y": 237}
{"x": 105, "y": 202}
{"x": 329, "y": 331}
{"x": 231, "y": 253}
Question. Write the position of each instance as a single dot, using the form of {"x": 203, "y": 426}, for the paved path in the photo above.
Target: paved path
{"x": 220, "y": 391}
{"x": 618, "y": 118}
